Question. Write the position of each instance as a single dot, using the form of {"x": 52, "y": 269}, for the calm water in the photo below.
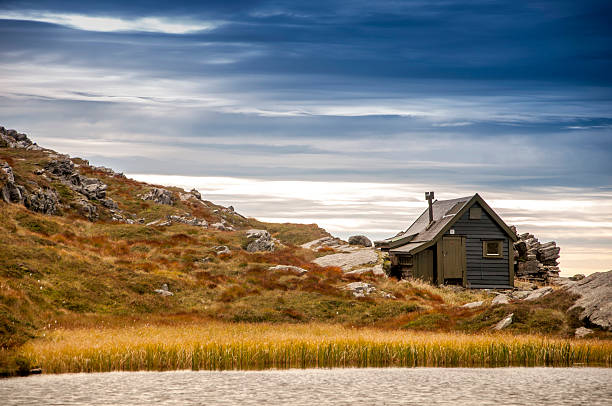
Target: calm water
{"x": 502, "y": 386}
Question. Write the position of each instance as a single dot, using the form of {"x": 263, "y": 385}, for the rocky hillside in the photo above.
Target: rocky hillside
{"x": 81, "y": 244}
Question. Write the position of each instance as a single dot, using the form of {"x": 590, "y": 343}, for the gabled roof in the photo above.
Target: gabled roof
{"x": 421, "y": 235}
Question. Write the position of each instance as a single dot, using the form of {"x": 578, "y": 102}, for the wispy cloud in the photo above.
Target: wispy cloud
{"x": 115, "y": 24}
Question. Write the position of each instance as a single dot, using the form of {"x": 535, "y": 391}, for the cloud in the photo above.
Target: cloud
{"x": 114, "y": 24}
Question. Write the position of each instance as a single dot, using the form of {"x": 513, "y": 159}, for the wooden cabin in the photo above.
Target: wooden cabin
{"x": 459, "y": 241}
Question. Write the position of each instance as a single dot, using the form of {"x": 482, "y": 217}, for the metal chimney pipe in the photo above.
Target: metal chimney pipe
{"x": 430, "y": 196}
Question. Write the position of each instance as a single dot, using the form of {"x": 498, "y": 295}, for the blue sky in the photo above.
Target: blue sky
{"x": 509, "y": 99}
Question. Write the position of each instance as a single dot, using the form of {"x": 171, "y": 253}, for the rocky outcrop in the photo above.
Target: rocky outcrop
{"x": 86, "y": 209}
{"x": 91, "y": 188}
{"x": 13, "y": 139}
{"x": 361, "y": 240}
{"x": 160, "y": 196}
{"x": 259, "y": 240}
{"x": 222, "y": 226}
{"x": 324, "y": 242}
{"x": 10, "y": 191}
{"x": 536, "y": 261}
{"x": 195, "y": 193}
{"x": 349, "y": 260}
{"x": 42, "y": 201}
{"x": 595, "y": 300}
{"x": 360, "y": 289}
{"x": 500, "y": 299}
{"x": 188, "y": 219}
{"x": 538, "y": 293}
{"x": 376, "y": 270}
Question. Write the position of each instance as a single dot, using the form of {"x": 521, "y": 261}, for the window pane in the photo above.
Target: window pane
{"x": 493, "y": 248}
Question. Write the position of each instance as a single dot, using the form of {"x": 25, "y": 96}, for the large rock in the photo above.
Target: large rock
{"x": 503, "y": 323}
{"x": 582, "y": 332}
{"x": 87, "y": 210}
{"x": 92, "y": 188}
{"x": 324, "y": 242}
{"x": 349, "y": 260}
{"x": 539, "y": 293}
{"x": 159, "y": 195}
{"x": 259, "y": 240}
{"x": 288, "y": 268}
{"x": 376, "y": 270}
{"x": 360, "y": 289}
{"x": 42, "y": 201}
{"x": 595, "y": 299}
{"x": 473, "y": 305}
{"x": 188, "y": 219}
{"x": 360, "y": 240}
{"x": 500, "y": 300}
{"x": 9, "y": 190}
{"x": 13, "y": 139}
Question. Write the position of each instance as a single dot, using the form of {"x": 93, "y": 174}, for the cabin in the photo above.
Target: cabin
{"x": 458, "y": 241}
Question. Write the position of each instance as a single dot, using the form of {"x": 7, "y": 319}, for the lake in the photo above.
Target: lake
{"x": 368, "y": 386}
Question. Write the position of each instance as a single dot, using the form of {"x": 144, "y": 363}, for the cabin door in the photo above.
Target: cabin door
{"x": 453, "y": 251}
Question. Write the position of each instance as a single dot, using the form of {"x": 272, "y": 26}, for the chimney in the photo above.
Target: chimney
{"x": 430, "y": 196}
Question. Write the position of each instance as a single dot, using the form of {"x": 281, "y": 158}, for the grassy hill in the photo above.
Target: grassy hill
{"x": 74, "y": 259}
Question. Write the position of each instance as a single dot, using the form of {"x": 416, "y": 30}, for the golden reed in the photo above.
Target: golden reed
{"x": 228, "y": 346}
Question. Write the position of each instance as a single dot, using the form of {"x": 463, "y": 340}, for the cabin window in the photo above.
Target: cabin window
{"x": 405, "y": 260}
{"x": 475, "y": 213}
{"x": 492, "y": 249}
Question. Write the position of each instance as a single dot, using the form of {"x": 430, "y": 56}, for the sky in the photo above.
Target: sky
{"x": 339, "y": 113}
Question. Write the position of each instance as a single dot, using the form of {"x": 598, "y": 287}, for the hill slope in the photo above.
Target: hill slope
{"x": 83, "y": 245}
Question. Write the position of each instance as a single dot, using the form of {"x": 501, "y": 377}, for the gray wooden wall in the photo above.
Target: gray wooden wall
{"x": 483, "y": 271}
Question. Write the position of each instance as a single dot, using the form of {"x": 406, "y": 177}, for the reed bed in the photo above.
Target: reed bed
{"x": 229, "y": 346}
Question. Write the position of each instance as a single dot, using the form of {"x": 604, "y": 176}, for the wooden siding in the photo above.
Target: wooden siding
{"x": 423, "y": 265}
{"x": 483, "y": 271}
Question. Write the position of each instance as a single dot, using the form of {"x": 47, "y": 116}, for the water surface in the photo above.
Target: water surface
{"x": 368, "y": 386}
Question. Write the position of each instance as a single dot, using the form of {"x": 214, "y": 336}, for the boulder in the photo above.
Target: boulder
{"x": 503, "y": 323}
{"x": 221, "y": 249}
{"x": 330, "y": 242}
{"x": 577, "y": 277}
{"x": 188, "y": 219}
{"x": 164, "y": 290}
{"x": 13, "y": 139}
{"x": 62, "y": 167}
{"x": 288, "y": 268}
{"x": 42, "y": 201}
{"x": 472, "y": 305}
{"x": 87, "y": 210}
{"x": 160, "y": 196}
{"x": 222, "y": 227}
{"x": 360, "y": 289}
{"x": 195, "y": 193}
{"x": 582, "y": 332}
{"x": 360, "y": 240}
{"x": 538, "y": 293}
{"x": 259, "y": 240}
{"x": 349, "y": 260}
{"x": 500, "y": 299}
{"x": 376, "y": 270}
{"x": 595, "y": 300}
{"x": 521, "y": 294}
{"x": 92, "y": 188}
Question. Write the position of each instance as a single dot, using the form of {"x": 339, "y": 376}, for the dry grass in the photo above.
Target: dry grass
{"x": 219, "y": 346}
